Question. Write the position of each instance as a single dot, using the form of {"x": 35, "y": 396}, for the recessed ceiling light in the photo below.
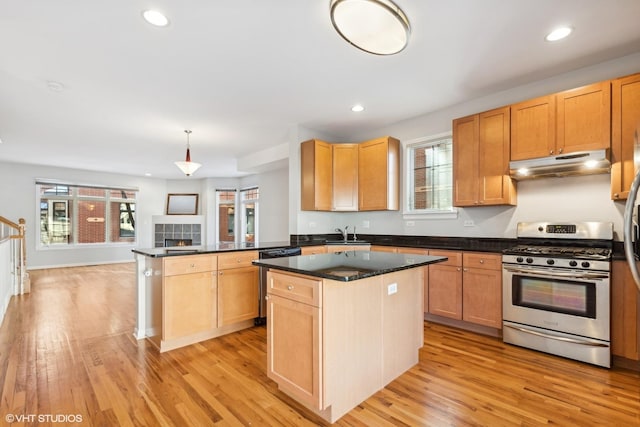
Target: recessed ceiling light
{"x": 147, "y": 174}
{"x": 156, "y": 18}
{"x": 357, "y": 108}
{"x": 558, "y": 34}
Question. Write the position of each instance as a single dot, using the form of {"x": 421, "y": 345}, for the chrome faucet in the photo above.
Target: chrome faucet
{"x": 345, "y": 232}
{"x": 354, "y": 234}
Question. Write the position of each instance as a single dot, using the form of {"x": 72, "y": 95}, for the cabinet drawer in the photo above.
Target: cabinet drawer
{"x": 455, "y": 258}
{"x": 297, "y": 288}
{"x": 236, "y": 259}
{"x": 486, "y": 261}
{"x": 189, "y": 264}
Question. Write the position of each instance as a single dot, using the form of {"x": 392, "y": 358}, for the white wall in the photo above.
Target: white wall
{"x": 571, "y": 198}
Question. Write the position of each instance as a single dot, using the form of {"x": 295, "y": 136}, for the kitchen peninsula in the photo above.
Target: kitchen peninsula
{"x": 341, "y": 326}
{"x": 189, "y": 294}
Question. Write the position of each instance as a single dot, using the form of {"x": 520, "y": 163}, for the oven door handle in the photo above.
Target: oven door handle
{"x": 555, "y": 337}
{"x": 557, "y": 273}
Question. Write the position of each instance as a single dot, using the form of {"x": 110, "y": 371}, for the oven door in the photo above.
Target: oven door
{"x": 569, "y": 301}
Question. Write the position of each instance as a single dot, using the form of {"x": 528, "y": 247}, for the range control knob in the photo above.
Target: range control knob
{"x": 573, "y": 263}
{"x": 550, "y": 262}
{"x": 585, "y": 264}
{"x": 519, "y": 259}
{"x": 529, "y": 260}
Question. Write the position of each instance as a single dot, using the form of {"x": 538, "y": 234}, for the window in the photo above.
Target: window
{"x": 249, "y": 206}
{"x": 226, "y": 203}
{"x": 78, "y": 215}
{"x": 430, "y": 177}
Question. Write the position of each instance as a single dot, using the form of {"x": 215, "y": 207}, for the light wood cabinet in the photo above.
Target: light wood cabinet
{"x": 313, "y": 250}
{"x": 344, "y": 248}
{"x": 316, "y": 171}
{"x": 625, "y": 125}
{"x": 533, "y": 128}
{"x": 562, "y": 123}
{"x": 379, "y": 174}
{"x": 482, "y": 289}
{"x": 481, "y": 159}
{"x": 625, "y": 313}
{"x": 345, "y": 177}
{"x": 188, "y": 296}
{"x": 445, "y": 285}
{"x": 238, "y": 287}
{"x": 584, "y": 118}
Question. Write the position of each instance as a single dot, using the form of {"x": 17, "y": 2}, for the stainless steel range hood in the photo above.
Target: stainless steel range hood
{"x": 579, "y": 163}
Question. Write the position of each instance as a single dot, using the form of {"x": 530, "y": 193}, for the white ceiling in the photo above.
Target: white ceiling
{"x": 240, "y": 73}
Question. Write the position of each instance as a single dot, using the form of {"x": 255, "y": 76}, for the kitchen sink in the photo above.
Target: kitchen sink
{"x": 347, "y": 242}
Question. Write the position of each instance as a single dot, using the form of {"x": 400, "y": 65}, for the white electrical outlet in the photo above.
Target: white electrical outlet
{"x": 392, "y": 288}
{"x": 410, "y": 223}
{"x": 312, "y": 224}
{"x": 365, "y": 224}
{"x": 469, "y": 223}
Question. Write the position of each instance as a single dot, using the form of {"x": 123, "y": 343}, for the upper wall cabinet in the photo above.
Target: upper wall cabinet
{"x": 625, "y": 127}
{"x": 481, "y": 160}
{"x": 379, "y": 174}
{"x": 350, "y": 177}
{"x": 566, "y": 122}
{"x": 316, "y": 175}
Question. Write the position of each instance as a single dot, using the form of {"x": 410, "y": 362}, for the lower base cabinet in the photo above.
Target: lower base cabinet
{"x": 332, "y": 344}
{"x": 190, "y": 304}
{"x": 238, "y": 298}
{"x": 625, "y": 315}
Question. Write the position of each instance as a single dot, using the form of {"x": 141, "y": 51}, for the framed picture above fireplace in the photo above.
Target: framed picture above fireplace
{"x": 182, "y": 204}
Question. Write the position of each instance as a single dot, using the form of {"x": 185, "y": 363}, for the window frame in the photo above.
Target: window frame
{"x": 420, "y": 214}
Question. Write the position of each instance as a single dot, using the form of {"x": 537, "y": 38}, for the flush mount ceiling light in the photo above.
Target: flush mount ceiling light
{"x": 156, "y": 18}
{"x": 375, "y": 26}
{"x": 357, "y": 108}
{"x": 558, "y": 34}
{"x": 188, "y": 167}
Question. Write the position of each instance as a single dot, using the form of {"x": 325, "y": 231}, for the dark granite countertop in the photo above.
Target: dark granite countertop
{"x": 209, "y": 249}
{"x": 346, "y": 266}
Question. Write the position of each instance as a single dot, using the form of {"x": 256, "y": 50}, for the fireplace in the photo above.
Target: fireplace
{"x": 177, "y": 242}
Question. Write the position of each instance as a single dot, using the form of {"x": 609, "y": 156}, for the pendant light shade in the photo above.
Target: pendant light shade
{"x": 188, "y": 167}
{"x": 375, "y": 26}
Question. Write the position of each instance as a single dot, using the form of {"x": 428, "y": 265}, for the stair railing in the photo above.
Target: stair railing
{"x": 17, "y": 254}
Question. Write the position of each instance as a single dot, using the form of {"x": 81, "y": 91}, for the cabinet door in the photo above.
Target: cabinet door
{"x": 379, "y": 174}
{"x": 495, "y": 186}
{"x": 445, "y": 291}
{"x": 294, "y": 347}
{"x": 237, "y": 295}
{"x": 345, "y": 177}
{"x": 316, "y": 175}
{"x": 347, "y": 248}
{"x": 465, "y": 161}
{"x": 533, "y": 128}
{"x": 625, "y": 313}
{"x": 313, "y": 250}
{"x": 188, "y": 304}
{"x": 625, "y": 125}
{"x": 482, "y": 297}
{"x": 584, "y": 118}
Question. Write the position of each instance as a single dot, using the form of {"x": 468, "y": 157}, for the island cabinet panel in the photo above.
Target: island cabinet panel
{"x": 445, "y": 285}
{"x": 294, "y": 337}
{"x": 313, "y": 250}
{"x": 533, "y": 128}
{"x": 347, "y": 247}
{"x": 482, "y": 289}
{"x": 425, "y": 272}
{"x": 189, "y": 264}
{"x": 379, "y": 174}
{"x": 345, "y": 177}
{"x": 316, "y": 173}
{"x": 189, "y": 304}
{"x": 625, "y": 124}
{"x": 625, "y": 314}
{"x": 238, "y": 287}
{"x": 584, "y": 118}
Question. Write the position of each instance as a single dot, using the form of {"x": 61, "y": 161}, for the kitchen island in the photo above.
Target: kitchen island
{"x": 189, "y": 294}
{"x": 341, "y": 326}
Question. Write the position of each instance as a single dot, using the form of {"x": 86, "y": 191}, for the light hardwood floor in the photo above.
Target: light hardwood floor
{"x": 67, "y": 350}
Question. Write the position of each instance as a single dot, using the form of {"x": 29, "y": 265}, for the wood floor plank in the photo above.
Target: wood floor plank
{"x": 68, "y": 348}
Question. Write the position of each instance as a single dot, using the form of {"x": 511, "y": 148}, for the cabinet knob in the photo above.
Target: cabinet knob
{"x": 481, "y": 261}
{"x": 192, "y": 265}
{"x": 221, "y": 273}
{"x": 458, "y": 269}
{"x": 550, "y": 151}
{"x": 238, "y": 260}
{"x": 560, "y": 151}
{"x": 290, "y": 287}
{"x": 616, "y": 195}
{"x": 464, "y": 269}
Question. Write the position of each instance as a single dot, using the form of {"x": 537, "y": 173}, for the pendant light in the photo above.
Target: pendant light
{"x": 375, "y": 26}
{"x": 188, "y": 167}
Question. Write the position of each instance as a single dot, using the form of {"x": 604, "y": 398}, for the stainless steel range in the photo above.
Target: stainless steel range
{"x": 556, "y": 289}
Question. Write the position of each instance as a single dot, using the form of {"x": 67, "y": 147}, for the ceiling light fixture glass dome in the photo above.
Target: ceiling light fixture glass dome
{"x": 374, "y": 26}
